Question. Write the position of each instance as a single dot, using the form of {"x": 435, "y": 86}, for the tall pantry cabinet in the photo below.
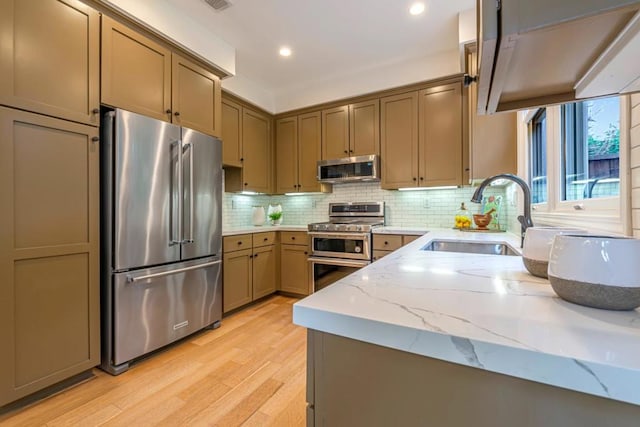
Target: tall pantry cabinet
{"x": 49, "y": 189}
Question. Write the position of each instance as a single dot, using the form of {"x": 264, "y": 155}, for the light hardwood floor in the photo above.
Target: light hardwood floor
{"x": 249, "y": 372}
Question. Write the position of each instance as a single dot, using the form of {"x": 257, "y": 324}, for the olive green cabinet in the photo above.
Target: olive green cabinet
{"x": 247, "y": 147}
{"x": 49, "y": 58}
{"x": 249, "y": 268}
{"x": 49, "y": 251}
{"x": 294, "y": 267}
{"x": 142, "y": 75}
{"x": 422, "y": 137}
{"x": 298, "y": 142}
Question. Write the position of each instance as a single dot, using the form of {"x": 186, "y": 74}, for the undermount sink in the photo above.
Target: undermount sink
{"x": 489, "y": 248}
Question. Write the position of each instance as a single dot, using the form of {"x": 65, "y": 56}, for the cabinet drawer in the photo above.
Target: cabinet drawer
{"x": 386, "y": 242}
{"x": 236, "y": 243}
{"x": 264, "y": 239}
{"x": 408, "y": 238}
{"x": 294, "y": 237}
{"x": 379, "y": 254}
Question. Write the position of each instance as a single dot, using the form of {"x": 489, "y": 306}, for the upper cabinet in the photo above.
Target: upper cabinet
{"x": 535, "y": 53}
{"x": 422, "y": 138}
{"x": 195, "y": 97}
{"x": 49, "y": 59}
{"x": 492, "y": 138}
{"x": 298, "y": 141}
{"x": 247, "y": 147}
{"x": 141, "y": 75}
{"x": 231, "y": 133}
{"x": 351, "y": 130}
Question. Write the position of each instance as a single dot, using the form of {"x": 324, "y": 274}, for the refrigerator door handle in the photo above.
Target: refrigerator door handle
{"x": 134, "y": 279}
{"x": 173, "y": 239}
{"x": 189, "y": 146}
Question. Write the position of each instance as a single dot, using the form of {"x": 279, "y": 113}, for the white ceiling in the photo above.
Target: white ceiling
{"x": 330, "y": 39}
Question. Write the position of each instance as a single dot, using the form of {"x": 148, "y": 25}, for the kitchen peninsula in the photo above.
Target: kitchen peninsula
{"x": 429, "y": 336}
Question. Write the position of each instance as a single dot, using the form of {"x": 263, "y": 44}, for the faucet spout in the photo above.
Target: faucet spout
{"x": 524, "y": 220}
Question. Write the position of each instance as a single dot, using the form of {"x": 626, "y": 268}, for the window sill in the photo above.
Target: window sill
{"x": 595, "y": 222}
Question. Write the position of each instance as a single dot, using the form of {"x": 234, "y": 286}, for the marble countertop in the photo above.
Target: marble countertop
{"x": 483, "y": 311}
{"x": 261, "y": 228}
{"x": 387, "y": 229}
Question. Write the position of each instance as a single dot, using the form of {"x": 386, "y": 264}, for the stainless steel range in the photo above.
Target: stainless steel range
{"x": 342, "y": 245}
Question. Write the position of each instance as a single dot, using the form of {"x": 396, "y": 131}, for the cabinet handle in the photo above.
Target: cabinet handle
{"x": 351, "y": 151}
{"x": 293, "y": 238}
{"x": 177, "y": 113}
{"x": 421, "y": 178}
{"x": 95, "y": 111}
{"x": 466, "y": 169}
{"x": 250, "y": 256}
{"x": 242, "y": 159}
{"x": 265, "y": 239}
{"x": 386, "y": 243}
{"x": 345, "y": 151}
{"x": 415, "y": 179}
{"x": 95, "y": 139}
{"x": 168, "y": 111}
{"x": 306, "y": 253}
{"x": 255, "y": 255}
{"x": 239, "y": 243}
{"x": 246, "y": 183}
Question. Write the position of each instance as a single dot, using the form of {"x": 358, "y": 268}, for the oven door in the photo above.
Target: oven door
{"x": 325, "y": 271}
{"x": 341, "y": 245}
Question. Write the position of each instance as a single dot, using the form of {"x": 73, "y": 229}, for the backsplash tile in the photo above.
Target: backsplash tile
{"x": 430, "y": 208}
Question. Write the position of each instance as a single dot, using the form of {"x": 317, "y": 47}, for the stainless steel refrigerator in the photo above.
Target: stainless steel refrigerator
{"x": 161, "y": 235}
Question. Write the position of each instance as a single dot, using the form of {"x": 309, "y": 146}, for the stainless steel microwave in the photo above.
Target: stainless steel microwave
{"x": 349, "y": 169}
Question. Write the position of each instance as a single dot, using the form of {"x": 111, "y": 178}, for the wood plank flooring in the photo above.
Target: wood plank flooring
{"x": 249, "y": 372}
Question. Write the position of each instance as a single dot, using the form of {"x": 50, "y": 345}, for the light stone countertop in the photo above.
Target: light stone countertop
{"x": 389, "y": 229}
{"x": 483, "y": 311}
{"x": 261, "y": 228}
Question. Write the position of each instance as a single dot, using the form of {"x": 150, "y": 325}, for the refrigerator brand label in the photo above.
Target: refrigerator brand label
{"x": 180, "y": 325}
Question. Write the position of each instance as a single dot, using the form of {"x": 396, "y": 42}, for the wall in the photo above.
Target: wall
{"x": 634, "y": 159}
{"x": 430, "y": 208}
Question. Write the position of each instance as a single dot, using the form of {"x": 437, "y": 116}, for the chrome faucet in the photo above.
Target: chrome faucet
{"x": 524, "y": 220}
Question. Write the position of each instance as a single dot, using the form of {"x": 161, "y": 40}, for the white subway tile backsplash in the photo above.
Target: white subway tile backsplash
{"x": 430, "y": 208}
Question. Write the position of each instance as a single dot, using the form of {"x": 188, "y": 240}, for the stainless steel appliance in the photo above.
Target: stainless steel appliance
{"x": 349, "y": 169}
{"x": 343, "y": 244}
{"x": 161, "y": 235}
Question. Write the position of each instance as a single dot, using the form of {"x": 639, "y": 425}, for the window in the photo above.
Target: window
{"x": 538, "y": 157}
{"x": 572, "y": 155}
{"x": 591, "y": 149}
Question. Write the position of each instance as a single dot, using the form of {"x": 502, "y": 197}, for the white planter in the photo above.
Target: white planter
{"x": 258, "y": 217}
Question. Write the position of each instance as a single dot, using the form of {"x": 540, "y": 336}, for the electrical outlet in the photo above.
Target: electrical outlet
{"x": 233, "y": 204}
{"x": 425, "y": 203}
{"x": 314, "y": 204}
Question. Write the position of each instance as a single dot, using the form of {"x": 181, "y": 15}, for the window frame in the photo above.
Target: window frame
{"x": 606, "y": 214}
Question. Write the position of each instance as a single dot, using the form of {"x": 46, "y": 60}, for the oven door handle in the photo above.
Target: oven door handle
{"x": 339, "y": 262}
{"x": 333, "y": 235}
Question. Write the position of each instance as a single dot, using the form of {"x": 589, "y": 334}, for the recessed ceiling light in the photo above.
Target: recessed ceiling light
{"x": 417, "y": 8}
{"x": 285, "y": 51}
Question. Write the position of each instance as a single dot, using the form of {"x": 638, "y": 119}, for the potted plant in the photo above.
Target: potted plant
{"x": 274, "y": 217}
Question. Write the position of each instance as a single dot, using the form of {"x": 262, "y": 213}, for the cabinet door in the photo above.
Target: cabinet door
{"x": 335, "y": 133}
{"x": 49, "y": 60}
{"x": 264, "y": 271}
{"x": 364, "y": 128}
{"x": 256, "y": 151}
{"x": 399, "y": 140}
{"x": 286, "y": 155}
{"x": 195, "y": 97}
{"x": 49, "y": 251}
{"x": 236, "y": 279}
{"x": 309, "y": 151}
{"x": 440, "y": 136}
{"x": 294, "y": 269}
{"x": 231, "y": 133}
{"x": 136, "y": 71}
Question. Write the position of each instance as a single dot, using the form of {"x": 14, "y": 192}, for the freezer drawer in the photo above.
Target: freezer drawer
{"x": 154, "y": 307}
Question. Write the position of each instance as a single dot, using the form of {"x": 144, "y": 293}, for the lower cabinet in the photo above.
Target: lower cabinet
{"x": 49, "y": 252}
{"x": 294, "y": 267}
{"x": 384, "y": 244}
{"x": 249, "y": 268}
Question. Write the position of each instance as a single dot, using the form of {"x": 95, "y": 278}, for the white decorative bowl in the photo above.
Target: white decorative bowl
{"x": 537, "y": 246}
{"x": 596, "y": 271}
